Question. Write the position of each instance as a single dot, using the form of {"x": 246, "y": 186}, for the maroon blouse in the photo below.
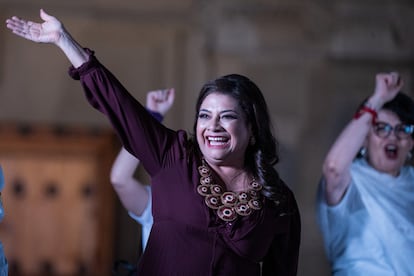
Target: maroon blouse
{"x": 187, "y": 238}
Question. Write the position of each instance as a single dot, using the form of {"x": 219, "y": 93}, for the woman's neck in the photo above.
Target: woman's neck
{"x": 234, "y": 178}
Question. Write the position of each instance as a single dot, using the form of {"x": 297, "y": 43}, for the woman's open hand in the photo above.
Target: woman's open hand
{"x": 50, "y": 31}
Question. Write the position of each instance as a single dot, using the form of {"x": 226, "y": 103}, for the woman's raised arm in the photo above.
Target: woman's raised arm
{"x": 52, "y": 31}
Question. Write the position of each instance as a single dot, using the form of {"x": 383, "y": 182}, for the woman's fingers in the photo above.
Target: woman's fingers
{"x": 18, "y": 26}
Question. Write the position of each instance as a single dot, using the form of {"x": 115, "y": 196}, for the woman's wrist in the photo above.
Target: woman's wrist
{"x": 371, "y": 107}
{"x": 373, "y": 103}
{"x": 63, "y": 39}
{"x": 76, "y": 54}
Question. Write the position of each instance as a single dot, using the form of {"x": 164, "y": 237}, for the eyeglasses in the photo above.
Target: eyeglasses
{"x": 402, "y": 131}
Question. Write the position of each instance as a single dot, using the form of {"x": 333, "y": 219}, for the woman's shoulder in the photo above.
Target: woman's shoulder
{"x": 408, "y": 171}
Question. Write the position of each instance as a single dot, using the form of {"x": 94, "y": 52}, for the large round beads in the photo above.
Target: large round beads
{"x": 212, "y": 201}
{"x": 203, "y": 190}
{"x": 228, "y": 205}
{"x": 255, "y": 204}
{"x": 229, "y": 199}
{"x": 243, "y": 209}
{"x": 216, "y": 189}
{"x": 226, "y": 213}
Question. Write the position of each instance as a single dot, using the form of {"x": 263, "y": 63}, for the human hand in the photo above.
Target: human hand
{"x": 160, "y": 100}
{"x": 50, "y": 31}
{"x": 387, "y": 86}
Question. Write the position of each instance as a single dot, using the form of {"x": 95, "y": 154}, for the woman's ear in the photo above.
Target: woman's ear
{"x": 411, "y": 152}
{"x": 363, "y": 150}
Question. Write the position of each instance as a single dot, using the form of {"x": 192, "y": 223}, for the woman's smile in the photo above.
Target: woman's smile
{"x": 217, "y": 141}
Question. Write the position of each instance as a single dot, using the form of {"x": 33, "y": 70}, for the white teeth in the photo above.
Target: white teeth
{"x": 390, "y": 147}
{"x": 217, "y": 139}
{"x": 216, "y": 143}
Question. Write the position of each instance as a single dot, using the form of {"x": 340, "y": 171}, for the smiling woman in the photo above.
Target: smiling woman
{"x": 365, "y": 204}
{"x": 223, "y": 133}
{"x": 219, "y": 205}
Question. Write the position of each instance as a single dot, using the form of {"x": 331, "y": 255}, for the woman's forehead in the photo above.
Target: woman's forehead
{"x": 388, "y": 116}
{"x": 217, "y": 100}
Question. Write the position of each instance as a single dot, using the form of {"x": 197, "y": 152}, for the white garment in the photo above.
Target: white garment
{"x": 371, "y": 231}
{"x": 146, "y": 219}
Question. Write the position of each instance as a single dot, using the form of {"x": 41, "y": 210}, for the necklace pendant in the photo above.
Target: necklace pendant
{"x": 203, "y": 190}
{"x": 255, "y": 186}
{"x": 255, "y": 204}
{"x": 216, "y": 189}
{"x": 206, "y": 180}
{"x": 254, "y": 194}
{"x": 226, "y": 213}
{"x": 229, "y": 198}
{"x": 204, "y": 170}
{"x": 243, "y": 197}
{"x": 243, "y": 209}
{"x": 212, "y": 201}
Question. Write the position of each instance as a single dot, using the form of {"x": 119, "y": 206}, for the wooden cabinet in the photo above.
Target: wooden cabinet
{"x": 58, "y": 200}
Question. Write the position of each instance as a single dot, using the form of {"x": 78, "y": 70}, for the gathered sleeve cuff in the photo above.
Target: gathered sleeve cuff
{"x": 76, "y": 73}
{"x": 158, "y": 116}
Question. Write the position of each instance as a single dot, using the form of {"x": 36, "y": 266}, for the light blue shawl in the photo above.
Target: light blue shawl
{"x": 371, "y": 231}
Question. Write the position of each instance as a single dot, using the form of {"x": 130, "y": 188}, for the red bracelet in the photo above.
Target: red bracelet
{"x": 365, "y": 109}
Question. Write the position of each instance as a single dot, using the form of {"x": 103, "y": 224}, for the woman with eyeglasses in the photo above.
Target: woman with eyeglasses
{"x": 366, "y": 194}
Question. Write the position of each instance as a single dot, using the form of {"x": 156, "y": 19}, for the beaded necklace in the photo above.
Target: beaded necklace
{"x": 228, "y": 205}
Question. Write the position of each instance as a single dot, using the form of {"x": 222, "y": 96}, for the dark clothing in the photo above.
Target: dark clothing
{"x": 187, "y": 238}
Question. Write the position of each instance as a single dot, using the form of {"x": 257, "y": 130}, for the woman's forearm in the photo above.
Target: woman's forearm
{"x": 72, "y": 49}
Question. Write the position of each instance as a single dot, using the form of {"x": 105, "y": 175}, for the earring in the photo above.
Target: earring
{"x": 252, "y": 141}
{"x": 363, "y": 152}
{"x": 409, "y": 155}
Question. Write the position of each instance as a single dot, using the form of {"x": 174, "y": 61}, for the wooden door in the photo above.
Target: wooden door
{"x": 58, "y": 200}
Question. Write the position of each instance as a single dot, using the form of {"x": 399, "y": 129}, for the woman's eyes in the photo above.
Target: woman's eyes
{"x": 383, "y": 128}
{"x": 222, "y": 117}
{"x": 229, "y": 116}
{"x": 203, "y": 116}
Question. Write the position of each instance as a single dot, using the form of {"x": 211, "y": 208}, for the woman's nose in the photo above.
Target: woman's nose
{"x": 393, "y": 135}
{"x": 214, "y": 124}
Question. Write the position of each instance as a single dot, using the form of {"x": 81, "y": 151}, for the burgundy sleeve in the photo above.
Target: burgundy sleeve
{"x": 140, "y": 133}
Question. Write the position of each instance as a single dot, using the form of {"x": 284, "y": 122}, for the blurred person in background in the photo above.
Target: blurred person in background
{"x": 366, "y": 194}
{"x": 134, "y": 195}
